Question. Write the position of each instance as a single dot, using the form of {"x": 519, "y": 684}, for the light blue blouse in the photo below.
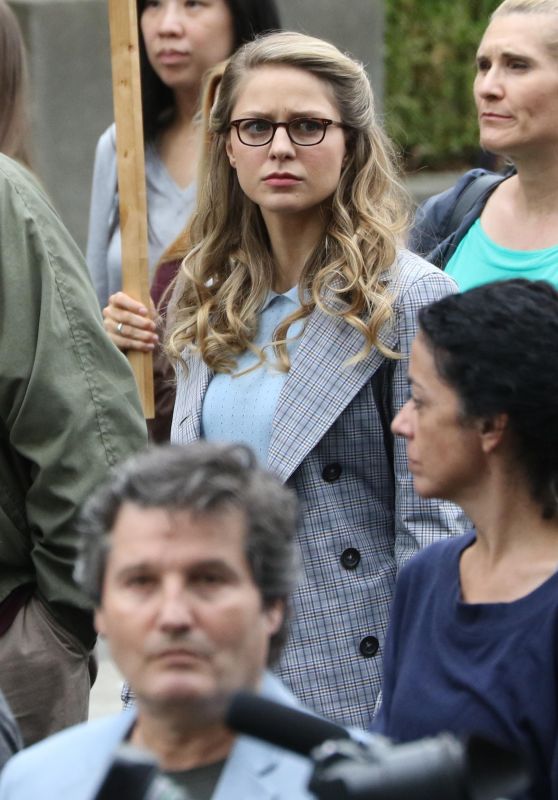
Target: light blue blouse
{"x": 239, "y": 408}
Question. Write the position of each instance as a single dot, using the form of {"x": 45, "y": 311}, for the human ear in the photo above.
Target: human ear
{"x": 228, "y": 147}
{"x": 275, "y": 614}
{"x": 492, "y": 431}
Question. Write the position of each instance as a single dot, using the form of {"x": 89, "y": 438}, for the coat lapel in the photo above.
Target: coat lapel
{"x": 319, "y": 387}
{"x": 256, "y": 770}
{"x": 186, "y": 423}
{"x": 249, "y": 771}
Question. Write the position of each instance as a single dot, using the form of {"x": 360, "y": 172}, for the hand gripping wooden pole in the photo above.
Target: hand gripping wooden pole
{"x": 126, "y": 89}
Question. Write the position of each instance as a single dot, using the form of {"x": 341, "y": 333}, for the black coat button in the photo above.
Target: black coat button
{"x": 369, "y": 646}
{"x": 331, "y": 472}
{"x": 350, "y": 558}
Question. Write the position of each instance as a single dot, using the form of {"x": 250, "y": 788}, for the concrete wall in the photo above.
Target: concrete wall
{"x": 68, "y": 43}
{"x": 356, "y": 26}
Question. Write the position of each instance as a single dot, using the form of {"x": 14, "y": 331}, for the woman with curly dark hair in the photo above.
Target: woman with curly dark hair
{"x": 472, "y": 646}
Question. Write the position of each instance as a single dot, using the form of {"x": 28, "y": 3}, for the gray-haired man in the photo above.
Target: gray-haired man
{"x": 190, "y": 556}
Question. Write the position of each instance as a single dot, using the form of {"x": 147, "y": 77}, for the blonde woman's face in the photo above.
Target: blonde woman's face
{"x": 284, "y": 178}
{"x": 516, "y": 85}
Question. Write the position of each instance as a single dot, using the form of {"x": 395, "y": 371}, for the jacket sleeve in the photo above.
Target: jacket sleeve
{"x": 68, "y": 400}
{"x": 418, "y": 522}
{"x": 102, "y": 212}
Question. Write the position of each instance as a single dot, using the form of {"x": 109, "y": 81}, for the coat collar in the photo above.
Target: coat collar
{"x": 319, "y": 386}
{"x": 251, "y": 771}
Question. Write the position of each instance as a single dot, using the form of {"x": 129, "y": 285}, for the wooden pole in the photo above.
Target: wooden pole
{"x": 126, "y": 89}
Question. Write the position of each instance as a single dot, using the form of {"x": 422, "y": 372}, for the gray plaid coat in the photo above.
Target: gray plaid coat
{"x": 361, "y": 519}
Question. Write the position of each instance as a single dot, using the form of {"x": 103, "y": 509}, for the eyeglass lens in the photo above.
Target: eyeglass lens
{"x": 303, "y": 131}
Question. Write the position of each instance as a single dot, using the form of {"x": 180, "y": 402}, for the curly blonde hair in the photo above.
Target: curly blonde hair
{"x": 229, "y": 270}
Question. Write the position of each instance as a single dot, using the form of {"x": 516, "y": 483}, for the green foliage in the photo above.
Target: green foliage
{"x": 430, "y": 66}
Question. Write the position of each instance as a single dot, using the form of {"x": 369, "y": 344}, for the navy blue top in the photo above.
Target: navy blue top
{"x": 467, "y": 668}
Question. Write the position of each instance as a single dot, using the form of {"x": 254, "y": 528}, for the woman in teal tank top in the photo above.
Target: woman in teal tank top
{"x": 510, "y": 227}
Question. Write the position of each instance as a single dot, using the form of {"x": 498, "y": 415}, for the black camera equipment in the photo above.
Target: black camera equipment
{"x": 347, "y": 766}
{"x": 373, "y": 768}
{"x": 134, "y": 775}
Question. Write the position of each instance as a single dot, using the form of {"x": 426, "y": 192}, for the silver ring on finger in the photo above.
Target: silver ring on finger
{"x": 119, "y": 328}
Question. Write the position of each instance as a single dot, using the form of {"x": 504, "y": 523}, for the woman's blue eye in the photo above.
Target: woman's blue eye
{"x": 306, "y": 125}
{"x": 256, "y": 126}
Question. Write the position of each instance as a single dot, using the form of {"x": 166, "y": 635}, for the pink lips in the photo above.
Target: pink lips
{"x": 281, "y": 179}
{"x": 491, "y": 116}
{"x": 170, "y": 57}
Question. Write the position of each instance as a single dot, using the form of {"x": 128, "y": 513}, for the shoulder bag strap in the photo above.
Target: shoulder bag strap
{"x": 469, "y": 196}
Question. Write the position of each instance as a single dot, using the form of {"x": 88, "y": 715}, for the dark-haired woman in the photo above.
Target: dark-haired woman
{"x": 180, "y": 40}
{"x": 472, "y": 645}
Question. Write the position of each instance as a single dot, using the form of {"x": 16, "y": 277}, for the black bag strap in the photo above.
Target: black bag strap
{"x": 469, "y": 196}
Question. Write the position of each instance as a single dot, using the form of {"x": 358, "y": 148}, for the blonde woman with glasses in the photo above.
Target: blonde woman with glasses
{"x": 292, "y": 324}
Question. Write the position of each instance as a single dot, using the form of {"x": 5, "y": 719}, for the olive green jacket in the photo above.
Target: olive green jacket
{"x": 68, "y": 403}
